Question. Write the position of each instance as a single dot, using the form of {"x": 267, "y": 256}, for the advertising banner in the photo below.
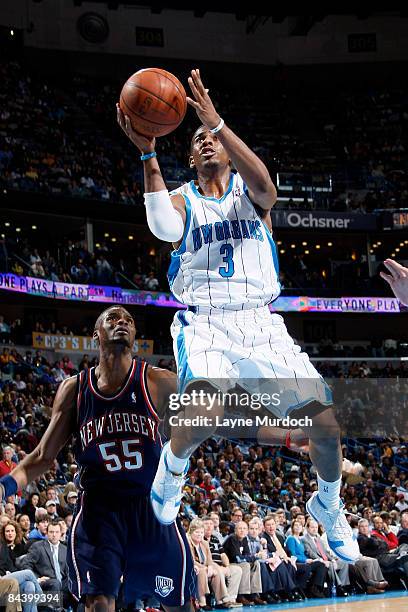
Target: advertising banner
{"x": 127, "y": 297}
{"x": 82, "y": 344}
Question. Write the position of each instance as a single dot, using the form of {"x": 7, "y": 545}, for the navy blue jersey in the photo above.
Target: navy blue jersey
{"x": 118, "y": 444}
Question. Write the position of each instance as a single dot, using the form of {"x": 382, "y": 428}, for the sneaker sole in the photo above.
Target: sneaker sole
{"x": 159, "y": 518}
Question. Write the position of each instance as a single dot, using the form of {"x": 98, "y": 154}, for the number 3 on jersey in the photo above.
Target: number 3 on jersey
{"x": 228, "y": 251}
{"x": 118, "y": 455}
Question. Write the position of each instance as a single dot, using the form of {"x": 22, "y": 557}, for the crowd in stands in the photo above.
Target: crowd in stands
{"x": 387, "y": 350}
{"x": 71, "y": 262}
{"x": 61, "y": 138}
{"x": 137, "y": 265}
{"x": 243, "y": 505}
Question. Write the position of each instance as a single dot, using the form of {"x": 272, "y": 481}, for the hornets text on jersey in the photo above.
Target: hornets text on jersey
{"x": 118, "y": 444}
{"x": 227, "y": 258}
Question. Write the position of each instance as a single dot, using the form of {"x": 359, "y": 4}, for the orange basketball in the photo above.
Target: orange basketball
{"x": 155, "y": 101}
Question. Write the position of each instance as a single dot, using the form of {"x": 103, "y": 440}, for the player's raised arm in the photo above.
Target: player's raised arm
{"x": 58, "y": 432}
{"x": 397, "y": 280}
{"x": 261, "y": 189}
{"x": 165, "y": 215}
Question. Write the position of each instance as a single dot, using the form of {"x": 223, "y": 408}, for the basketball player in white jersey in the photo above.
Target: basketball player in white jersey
{"x": 224, "y": 267}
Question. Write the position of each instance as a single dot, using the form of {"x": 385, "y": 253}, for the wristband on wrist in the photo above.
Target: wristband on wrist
{"x": 218, "y": 127}
{"x": 148, "y": 155}
{"x": 8, "y": 486}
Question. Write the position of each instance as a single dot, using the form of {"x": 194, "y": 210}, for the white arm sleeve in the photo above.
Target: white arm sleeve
{"x": 164, "y": 221}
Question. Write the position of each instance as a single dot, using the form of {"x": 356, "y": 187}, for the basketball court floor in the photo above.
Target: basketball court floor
{"x": 394, "y": 601}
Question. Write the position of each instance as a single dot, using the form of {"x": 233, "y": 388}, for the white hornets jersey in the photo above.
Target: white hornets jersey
{"x": 227, "y": 258}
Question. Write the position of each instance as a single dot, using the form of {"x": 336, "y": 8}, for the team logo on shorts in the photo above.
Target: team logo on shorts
{"x": 164, "y": 586}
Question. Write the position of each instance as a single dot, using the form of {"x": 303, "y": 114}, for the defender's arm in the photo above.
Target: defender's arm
{"x": 59, "y": 430}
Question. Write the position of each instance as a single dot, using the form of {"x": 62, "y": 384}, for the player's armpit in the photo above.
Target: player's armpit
{"x": 265, "y": 200}
{"x": 161, "y": 384}
{"x": 59, "y": 430}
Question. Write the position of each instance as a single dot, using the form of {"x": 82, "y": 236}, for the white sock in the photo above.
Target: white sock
{"x": 176, "y": 465}
{"x": 329, "y": 492}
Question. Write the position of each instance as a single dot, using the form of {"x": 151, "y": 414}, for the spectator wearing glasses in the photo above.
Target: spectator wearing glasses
{"x": 237, "y": 516}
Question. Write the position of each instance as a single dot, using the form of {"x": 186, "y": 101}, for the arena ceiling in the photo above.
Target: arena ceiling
{"x": 258, "y": 13}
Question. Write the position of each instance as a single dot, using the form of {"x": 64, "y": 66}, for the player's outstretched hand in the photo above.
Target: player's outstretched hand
{"x": 397, "y": 279}
{"x": 143, "y": 143}
{"x": 202, "y": 102}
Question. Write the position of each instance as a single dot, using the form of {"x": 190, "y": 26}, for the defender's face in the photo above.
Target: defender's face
{"x": 207, "y": 151}
{"x": 117, "y": 327}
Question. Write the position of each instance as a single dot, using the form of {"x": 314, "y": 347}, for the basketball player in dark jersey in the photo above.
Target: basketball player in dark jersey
{"x": 113, "y": 412}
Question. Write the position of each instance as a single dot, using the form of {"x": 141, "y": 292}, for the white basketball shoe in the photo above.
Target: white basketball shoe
{"x": 166, "y": 491}
{"x": 340, "y": 536}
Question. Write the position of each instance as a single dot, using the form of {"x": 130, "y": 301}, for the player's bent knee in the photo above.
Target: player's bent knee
{"x": 324, "y": 425}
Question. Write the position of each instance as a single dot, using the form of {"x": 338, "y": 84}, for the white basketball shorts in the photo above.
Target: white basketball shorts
{"x": 251, "y": 348}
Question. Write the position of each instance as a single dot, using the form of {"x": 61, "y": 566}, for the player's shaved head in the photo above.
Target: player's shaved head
{"x": 115, "y": 326}
{"x": 104, "y": 312}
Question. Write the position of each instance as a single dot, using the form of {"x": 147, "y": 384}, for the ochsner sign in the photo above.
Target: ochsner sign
{"x": 296, "y": 220}
{"x": 322, "y": 220}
